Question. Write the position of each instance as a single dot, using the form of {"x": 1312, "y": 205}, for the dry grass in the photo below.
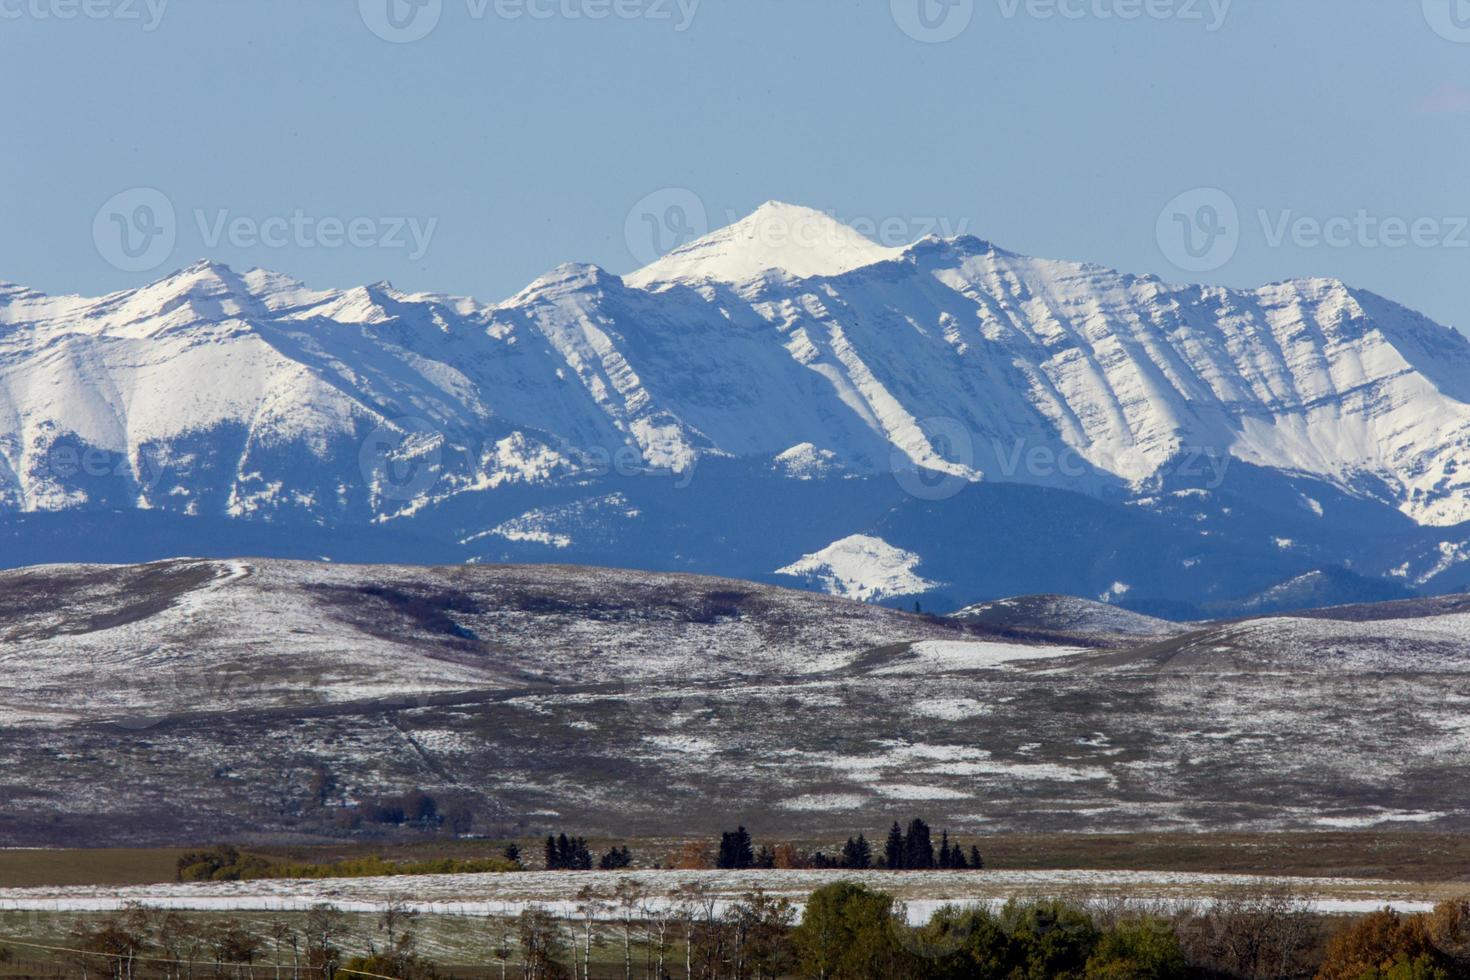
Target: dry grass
{"x": 1403, "y": 856}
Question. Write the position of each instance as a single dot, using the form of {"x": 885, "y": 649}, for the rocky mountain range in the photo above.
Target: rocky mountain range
{"x": 782, "y": 400}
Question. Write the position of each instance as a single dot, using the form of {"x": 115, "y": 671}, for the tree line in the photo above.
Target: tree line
{"x": 845, "y": 931}
{"x": 910, "y": 849}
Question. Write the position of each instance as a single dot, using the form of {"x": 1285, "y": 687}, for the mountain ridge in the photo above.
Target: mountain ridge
{"x": 936, "y": 366}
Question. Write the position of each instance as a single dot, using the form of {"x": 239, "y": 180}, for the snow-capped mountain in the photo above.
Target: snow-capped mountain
{"x": 785, "y": 339}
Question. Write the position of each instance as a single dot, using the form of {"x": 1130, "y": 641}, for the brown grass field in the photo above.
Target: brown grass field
{"x": 1403, "y": 856}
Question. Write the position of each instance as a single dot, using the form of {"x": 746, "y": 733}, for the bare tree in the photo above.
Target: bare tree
{"x": 1263, "y": 934}
{"x": 540, "y": 944}
{"x": 181, "y": 940}
{"x": 500, "y": 947}
{"x": 590, "y": 904}
{"x": 325, "y": 926}
{"x": 691, "y": 900}
{"x": 283, "y": 935}
{"x": 657, "y": 918}
{"x": 629, "y": 898}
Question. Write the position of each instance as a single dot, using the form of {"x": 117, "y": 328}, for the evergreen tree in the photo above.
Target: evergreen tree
{"x": 736, "y": 850}
{"x": 856, "y": 854}
{"x": 893, "y": 850}
{"x": 976, "y": 861}
{"x": 616, "y": 859}
{"x": 957, "y": 858}
{"x": 946, "y": 860}
{"x": 578, "y": 857}
{"x": 553, "y": 859}
{"x": 918, "y": 849}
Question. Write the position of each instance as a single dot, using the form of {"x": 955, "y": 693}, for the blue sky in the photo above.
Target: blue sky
{"x": 518, "y": 134}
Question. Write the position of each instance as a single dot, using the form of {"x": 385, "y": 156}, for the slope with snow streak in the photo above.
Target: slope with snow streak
{"x": 665, "y": 703}
{"x": 253, "y": 395}
{"x": 1066, "y": 615}
{"x": 82, "y": 643}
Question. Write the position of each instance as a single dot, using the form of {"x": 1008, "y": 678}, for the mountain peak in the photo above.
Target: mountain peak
{"x": 797, "y": 242}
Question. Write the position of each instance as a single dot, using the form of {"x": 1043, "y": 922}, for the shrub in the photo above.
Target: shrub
{"x": 1052, "y": 940}
{"x": 1379, "y": 944}
{"x": 848, "y": 931}
{"x": 376, "y": 867}
{"x": 1144, "y": 949}
{"x": 222, "y": 863}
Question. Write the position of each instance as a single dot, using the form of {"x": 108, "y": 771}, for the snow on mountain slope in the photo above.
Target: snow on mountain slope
{"x": 210, "y": 392}
{"x": 239, "y": 684}
{"x": 790, "y": 241}
{"x": 83, "y": 642}
{"x": 1066, "y": 615}
{"x": 1426, "y": 644}
{"x": 861, "y": 567}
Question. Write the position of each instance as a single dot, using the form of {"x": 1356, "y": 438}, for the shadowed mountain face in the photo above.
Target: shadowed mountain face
{"x": 851, "y": 391}
{"x": 198, "y": 700}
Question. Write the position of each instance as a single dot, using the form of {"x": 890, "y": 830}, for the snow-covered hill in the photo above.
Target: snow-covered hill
{"x": 785, "y": 339}
{"x": 271, "y": 696}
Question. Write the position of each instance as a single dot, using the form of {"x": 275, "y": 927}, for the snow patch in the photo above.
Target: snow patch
{"x": 862, "y": 567}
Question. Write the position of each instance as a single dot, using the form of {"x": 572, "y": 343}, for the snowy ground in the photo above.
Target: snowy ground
{"x": 639, "y": 705}
{"x": 922, "y": 892}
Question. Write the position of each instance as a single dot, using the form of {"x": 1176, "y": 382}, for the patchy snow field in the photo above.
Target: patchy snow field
{"x": 677, "y": 704}
{"x": 922, "y": 892}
